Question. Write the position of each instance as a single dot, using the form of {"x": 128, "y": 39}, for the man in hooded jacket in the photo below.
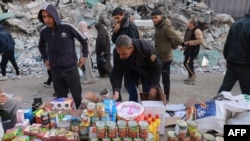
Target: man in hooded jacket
{"x": 57, "y": 48}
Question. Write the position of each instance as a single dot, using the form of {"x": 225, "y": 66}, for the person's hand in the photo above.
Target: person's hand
{"x": 116, "y": 95}
{"x": 152, "y": 94}
{"x": 81, "y": 62}
{"x": 47, "y": 64}
{"x": 3, "y": 98}
{"x": 117, "y": 27}
{"x": 102, "y": 53}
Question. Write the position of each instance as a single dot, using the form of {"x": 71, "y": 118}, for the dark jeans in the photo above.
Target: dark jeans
{"x": 8, "y": 56}
{"x": 166, "y": 78}
{"x": 234, "y": 73}
{"x": 132, "y": 84}
{"x": 50, "y": 77}
{"x": 189, "y": 65}
{"x": 65, "y": 81}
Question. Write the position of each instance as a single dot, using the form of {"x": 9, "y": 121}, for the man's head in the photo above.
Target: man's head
{"x": 124, "y": 46}
{"x": 191, "y": 23}
{"x": 118, "y": 14}
{"x": 156, "y": 16}
{"x": 49, "y": 16}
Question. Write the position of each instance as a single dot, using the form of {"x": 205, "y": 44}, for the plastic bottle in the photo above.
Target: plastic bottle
{"x": 149, "y": 117}
{"x": 154, "y": 127}
{"x": 158, "y": 123}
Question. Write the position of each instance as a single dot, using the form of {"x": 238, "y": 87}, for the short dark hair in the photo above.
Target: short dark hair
{"x": 194, "y": 21}
{"x": 156, "y": 12}
{"x": 118, "y": 11}
{"x": 123, "y": 40}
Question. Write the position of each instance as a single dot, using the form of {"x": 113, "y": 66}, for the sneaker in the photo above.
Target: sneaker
{"x": 2, "y": 78}
{"x": 17, "y": 77}
{"x": 192, "y": 78}
{"x": 46, "y": 84}
{"x": 189, "y": 82}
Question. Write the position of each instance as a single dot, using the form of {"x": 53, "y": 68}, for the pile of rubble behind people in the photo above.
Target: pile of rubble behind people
{"x": 20, "y": 18}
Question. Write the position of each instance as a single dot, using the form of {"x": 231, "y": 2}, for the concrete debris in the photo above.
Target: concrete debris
{"x": 21, "y": 20}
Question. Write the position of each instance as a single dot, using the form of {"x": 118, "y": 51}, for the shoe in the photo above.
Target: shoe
{"x": 16, "y": 77}
{"x": 87, "y": 82}
{"x": 46, "y": 84}
{"x": 192, "y": 78}
{"x": 189, "y": 82}
{"x": 2, "y": 78}
{"x": 54, "y": 94}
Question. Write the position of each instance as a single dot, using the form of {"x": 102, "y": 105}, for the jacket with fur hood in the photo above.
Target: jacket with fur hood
{"x": 58, "y": 45}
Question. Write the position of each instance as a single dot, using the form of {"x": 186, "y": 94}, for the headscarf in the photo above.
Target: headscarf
{"x": 83, "y": 28}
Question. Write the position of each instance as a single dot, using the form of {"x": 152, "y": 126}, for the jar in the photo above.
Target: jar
{"x": 100, "y": 129}
{"x": 143, "y": 129}
{"x": 91, "y": 109}
{"x": 111, "y": 129}
{"x": 192, "y": 127}
{"x": 132, "y": 129}
{"x": 122, "y": 128}
{"x": 100, "y": 109}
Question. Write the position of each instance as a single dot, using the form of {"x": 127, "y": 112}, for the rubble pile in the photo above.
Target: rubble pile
{"x": 21, "y": 20}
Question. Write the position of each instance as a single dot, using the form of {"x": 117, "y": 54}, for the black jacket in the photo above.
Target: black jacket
{"x": 127, "y": 28}
{"x": 148, "y": 69}
{"x": 237, "y": 46}
{"x": 7, "y": 42}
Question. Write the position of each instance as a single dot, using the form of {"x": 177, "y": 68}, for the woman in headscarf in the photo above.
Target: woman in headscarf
{"x": 89, "y": 76}
{"x": 102, "y": 50}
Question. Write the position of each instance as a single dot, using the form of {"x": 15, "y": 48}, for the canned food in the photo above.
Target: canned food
{"x": 181, "y": 129}
{"x": 132, "y": 129}
{"x": 100, "y": 109}
{"x": 122, "y": 128}
{"x": 150, "y": 137}
{"x": 143, "y": 129}
{"x": 197, "y": 136}
{"x": 94, "y": 120}
{"x": 218, "y": 138}
{"x": 45, "y": 119}
{"x": 74, "y": 126}
{"x": 53, "y": 119}
{"x": 127, "y": 139}
{"x": 100, "y": 129}
{"x": 208, "y": 137}
{"x": 92, "y": 137}
{"x": 106, "y": 139}
{"x": 117, "y": 139}
{"x": 138, "y": 139}
{"x": 171, "y": 136}
{"x": 111, "y": 129}
{"x": 192, "y": 127}
{"x": 91, "y": 109}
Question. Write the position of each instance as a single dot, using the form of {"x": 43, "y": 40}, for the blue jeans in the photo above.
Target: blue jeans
{"x": 65, "y": 81}
{"x": 132, "y": 84}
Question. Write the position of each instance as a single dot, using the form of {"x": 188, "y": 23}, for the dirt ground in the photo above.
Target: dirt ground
{"x": 206, "y": 87}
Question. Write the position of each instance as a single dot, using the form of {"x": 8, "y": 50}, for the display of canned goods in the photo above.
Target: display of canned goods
{"x": 100, "y": 129}
{"x": 100, "y": 109}
{"x": 122, "y": 128}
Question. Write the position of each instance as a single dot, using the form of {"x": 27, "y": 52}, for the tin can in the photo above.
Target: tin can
{"x": 132, "y": 129}
{"x": 171, "y": 136}
{"x": 150, "y": 137}
{"x": 192, "y": 127}
{"x": 100, "y": 109}
{"x": 181, "y": 129}
{"x": 106, "y": 139}
{"x": 208, "y": 137}
{"x": 127, "y": 139}
{"x": 117, "y": 139}
{"x": 84, "y": 131}
{"x": 45, "y": 120}
{"x": 100, "y": 129}
{"x": 143, "y": 129}
{"x": 92, "y": 137}
{"x": 105, "y": 118}
{"x": 53, "y": 119}
{"x": 75, "y": 126}
{"x": 218, "y": 138}
{"x": 197, "y": 136}
{"x": 122, "y": 128}
{"x": 91, "y": 109}
{"x": 111, "y": 129}
{"x": 94, "y": 120}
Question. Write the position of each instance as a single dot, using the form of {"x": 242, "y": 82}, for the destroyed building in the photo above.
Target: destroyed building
{"x": 21, "y": 20}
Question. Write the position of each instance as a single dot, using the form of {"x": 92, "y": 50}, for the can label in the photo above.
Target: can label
{"x": 45, "y": 119}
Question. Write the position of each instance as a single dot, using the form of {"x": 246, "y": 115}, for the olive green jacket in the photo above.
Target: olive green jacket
{"x": 166, "y": 39}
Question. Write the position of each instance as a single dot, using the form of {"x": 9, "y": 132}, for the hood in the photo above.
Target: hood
{"x": 52, "y": 10}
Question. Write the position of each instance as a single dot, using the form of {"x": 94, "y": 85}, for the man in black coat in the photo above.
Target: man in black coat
{"x": 138, "y": 55}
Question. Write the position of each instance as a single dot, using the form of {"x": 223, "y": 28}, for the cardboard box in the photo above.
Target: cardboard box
{"x": 156, "y": 107}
